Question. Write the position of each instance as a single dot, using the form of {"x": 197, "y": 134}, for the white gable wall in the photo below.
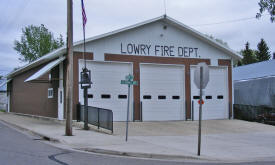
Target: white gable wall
{"x": 151, "y": 37}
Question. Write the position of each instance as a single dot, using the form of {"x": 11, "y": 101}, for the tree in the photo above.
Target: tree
{"x": 36, "y": 41}
{"x": 239, "y": 63}
{"x": 248, "y": 55}
{"x": 263, "y": 53}
{"x": 269, "y": 6}
{"x": 273, "y": 55}
{"x": 218, "y": 40}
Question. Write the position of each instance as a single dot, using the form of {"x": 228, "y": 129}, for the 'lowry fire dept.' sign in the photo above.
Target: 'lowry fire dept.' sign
{"x": 159, "y": 50}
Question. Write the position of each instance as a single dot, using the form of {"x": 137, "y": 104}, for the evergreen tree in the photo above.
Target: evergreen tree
{"x": 263, "y": 53}
{"x": 239, "y": 63}
{"x": 248, "y": 55}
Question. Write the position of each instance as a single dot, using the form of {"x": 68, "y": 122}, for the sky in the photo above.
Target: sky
{"x": 233, "y": 21}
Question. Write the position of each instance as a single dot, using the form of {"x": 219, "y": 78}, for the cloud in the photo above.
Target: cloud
{"x": 107, "y": 15}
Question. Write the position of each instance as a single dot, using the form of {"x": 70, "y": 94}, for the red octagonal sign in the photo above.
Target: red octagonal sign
{"x": 201, "y": 102}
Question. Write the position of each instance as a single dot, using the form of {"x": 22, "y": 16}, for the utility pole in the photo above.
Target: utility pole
{"x": 69, "y": 77}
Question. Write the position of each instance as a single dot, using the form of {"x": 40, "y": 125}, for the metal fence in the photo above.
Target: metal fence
{"x": 102, "y": 118}
{"x": 250, "y": 113}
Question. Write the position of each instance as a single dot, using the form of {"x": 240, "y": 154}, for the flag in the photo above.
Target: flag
{"x": 84, "y": 18}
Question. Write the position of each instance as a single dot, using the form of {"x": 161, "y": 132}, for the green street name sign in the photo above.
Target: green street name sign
{"x": 129, "y": 80}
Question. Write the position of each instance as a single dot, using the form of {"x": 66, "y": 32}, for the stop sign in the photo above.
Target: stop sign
{"x": 205, "y": 75}
{"x": 200, "y": 102}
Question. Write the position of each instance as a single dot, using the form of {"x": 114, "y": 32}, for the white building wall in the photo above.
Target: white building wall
{"x": 153, "y": 36}
{"x": 3, "y": 101}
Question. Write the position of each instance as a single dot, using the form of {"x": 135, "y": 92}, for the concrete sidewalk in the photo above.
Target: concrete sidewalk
{"x": 222, "y": 140}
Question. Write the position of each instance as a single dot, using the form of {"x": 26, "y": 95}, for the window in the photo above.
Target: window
{"x": 220, "y": 97}
{"x": 176, "y": 97}
{"x": 208, "y": 97}
{"x": 196, "y": 97}
{"x": 50, "y": 92}
{"x": 90, "y": 96}
{"x": 161, "y": 97}
{"x": 122, "y": 96}
{"x": 61, "y": 97}
{"x": 105, "y": 96}
{"x": 146, "y": 96}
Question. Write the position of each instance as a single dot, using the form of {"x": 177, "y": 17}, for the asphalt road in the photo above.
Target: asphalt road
{"x": 21, "y": 148}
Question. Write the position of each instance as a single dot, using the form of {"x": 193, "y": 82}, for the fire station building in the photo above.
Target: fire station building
{"x": 161, "y": 53}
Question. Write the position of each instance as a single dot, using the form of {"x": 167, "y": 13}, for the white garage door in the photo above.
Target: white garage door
{"x": 216, "y": 95}
{"x": 162, "y": 92}
{"x": 106, "y": 91}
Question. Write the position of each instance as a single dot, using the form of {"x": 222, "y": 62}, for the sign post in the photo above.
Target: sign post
{"x": 201, "y": 78}
{"x": 129, "y": 80}
{"x": 85, "y": 84}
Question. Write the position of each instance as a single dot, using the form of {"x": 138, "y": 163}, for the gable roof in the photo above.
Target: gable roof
{"x": 258, "y": 70}
{"x": 61, "y": 51}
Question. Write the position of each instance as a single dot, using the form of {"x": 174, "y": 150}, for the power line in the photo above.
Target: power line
{"x": 228, "y": 21}
{"x": 17, "y": 14}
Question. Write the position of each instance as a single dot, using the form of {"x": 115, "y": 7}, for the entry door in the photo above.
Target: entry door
{"x": 106, "y": 90}
{"x": 60, "y": 103}
{"x": 162, "y": 92}
{"x": 216, "y": 95}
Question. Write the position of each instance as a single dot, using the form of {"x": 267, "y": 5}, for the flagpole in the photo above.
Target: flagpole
{"x": 84, "y": 19}
{"x": 85, "y": 74}
{"x": 84, "y": 47}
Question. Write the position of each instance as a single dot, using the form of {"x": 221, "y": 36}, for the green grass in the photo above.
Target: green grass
{"x": 1, "y": 110}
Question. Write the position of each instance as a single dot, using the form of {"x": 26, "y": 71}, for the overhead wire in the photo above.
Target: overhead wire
{"x": 17, "y": 14}
{"x": 225, "y": 22}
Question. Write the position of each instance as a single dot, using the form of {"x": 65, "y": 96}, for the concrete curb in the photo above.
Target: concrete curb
{"x": 45, "y": 137}
{"x": 39, "y": 117}
{"x": 142, "y": 155}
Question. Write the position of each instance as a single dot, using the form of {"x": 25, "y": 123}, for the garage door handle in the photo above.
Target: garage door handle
{"x": 192, "y": 110}
{"x": 140, "y": 111}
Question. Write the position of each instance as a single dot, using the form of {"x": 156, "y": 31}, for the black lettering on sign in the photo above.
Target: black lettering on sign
{"x": 142, "y": 49}
{"x": 148, "y": 48}
{"x": 180, "y": 51}
{"x": 156, "y": 49}
{"x": 136, "y": 49}
{"x": 196, "y": 51}
{"x": 166, "y": 49}
{"x": 121, "y": 49}
{"x": 130, "y": 48}
{"x": 162, "y": 51}
{"x": 171, "y": 50}
{"x": 190, "y": 51}
{"x": 186, "y": 52}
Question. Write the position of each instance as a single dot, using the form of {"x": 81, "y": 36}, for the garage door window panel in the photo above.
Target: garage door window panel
{"x": 220, "y": 97}
{"x": 161, "y": 97}
{"x": 208, "y": 97}
{"x": 175, "y": 97}
{"x": 105, "y": 96}
{"x": 147, "y": 97}
{"x": 196, "y": 97}
{"x": 122, "y": 96}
